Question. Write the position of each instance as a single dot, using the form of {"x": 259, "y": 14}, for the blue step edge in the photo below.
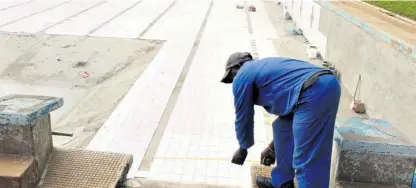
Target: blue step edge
{"x": 414, "y": 180}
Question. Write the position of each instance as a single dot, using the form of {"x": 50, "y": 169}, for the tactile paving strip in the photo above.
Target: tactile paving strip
{"x": 260, "y": 170}
{"x": 85, "y": 169}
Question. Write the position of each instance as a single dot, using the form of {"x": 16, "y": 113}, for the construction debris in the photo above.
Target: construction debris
{"x": 312, "y": 51}
{"x": 294, "y": 31}
{"x": 252, "y": 8}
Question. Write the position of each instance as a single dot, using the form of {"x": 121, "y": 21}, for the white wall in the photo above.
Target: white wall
{"x": 306, "y": 15}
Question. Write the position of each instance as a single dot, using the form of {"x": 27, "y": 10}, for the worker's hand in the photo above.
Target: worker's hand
{"x": 239, "y": 156}
{"x": 268, "y": 156}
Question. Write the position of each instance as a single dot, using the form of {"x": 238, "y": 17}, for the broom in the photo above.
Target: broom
{"x": 356, "y": 104}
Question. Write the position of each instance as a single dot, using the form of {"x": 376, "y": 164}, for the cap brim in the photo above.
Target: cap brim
{"x": 225, "y": 79}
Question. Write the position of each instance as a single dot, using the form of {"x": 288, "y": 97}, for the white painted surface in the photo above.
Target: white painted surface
{"x": 305, "y": 14}
{"x": 5, "y": 4}
{"x": 131, "y": 126}
{"x": 85, "y": 23}
{"x": 48, "y": 18}
{"x": 134, "y": 21}
{"x": 16, "y": 13}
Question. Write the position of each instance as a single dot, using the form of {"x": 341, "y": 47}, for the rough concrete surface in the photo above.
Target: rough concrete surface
{"x": 368, "y": 167}
{"x": 28, "y": 140}
{"x": 372, "y": 151}
{"x": 92, "y": 74}
{"x": 17, "y": 171}
{"x": 387, "y": 74}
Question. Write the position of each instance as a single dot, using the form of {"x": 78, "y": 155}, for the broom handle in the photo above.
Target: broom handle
{"x": 356, "y": 88}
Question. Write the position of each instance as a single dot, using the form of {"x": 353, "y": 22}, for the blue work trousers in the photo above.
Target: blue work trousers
{"x": 303, "y": 140}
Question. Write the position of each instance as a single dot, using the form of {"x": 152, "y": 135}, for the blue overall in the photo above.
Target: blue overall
{"x": 304, "y": 130}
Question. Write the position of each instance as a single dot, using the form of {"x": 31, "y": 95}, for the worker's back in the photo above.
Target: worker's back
{"x": 277, "y": 82}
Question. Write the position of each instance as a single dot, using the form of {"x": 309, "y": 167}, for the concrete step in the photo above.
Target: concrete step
{"x": 260, "y": 170}
{"x": 83, "y": 169}
{"x": 17, "y": 171}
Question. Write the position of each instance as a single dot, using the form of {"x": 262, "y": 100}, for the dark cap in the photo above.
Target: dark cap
{"x": 237, "y": 58}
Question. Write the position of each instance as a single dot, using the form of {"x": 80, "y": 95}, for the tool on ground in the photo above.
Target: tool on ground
{"x": 356, "y": 104}
{"x": 62, "y": 134}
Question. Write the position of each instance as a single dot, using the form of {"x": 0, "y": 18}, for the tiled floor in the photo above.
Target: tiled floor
{"x": 199, "y": 139}
{"x": 132, "y": 126}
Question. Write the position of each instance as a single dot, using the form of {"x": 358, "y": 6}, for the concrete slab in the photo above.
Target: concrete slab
{"x": 12, "y": 15}
{"x": 70, "y": 96}
{"x": 17, "y": 171}
{"x": 165, "y": 184}
{"x": 10, "y": 4}
{"x": 135, "y": 21}
{"x": 91, "y": 20}
{"x": 372, "y": 151}
{"x": 26, "y": 109}
{"x": 50, "y": 17}
{"x": 91, "y": 74}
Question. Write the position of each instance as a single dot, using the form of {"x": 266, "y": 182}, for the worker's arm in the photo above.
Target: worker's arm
{"x": 244, "y": 112}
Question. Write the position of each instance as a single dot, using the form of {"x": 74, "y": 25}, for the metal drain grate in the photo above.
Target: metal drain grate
{"x": 85, "y": 169}
{"x": 260, "y": 170}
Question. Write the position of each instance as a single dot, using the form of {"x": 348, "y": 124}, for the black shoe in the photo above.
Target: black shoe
{"x": 263, "y": 182}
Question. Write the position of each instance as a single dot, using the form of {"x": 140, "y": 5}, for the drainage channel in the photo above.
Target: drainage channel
{"x": 157, "y": 137}
{"x": 156, "y": 19}
{"x": 114, "y": 17}
{"x": 72, "y": 16}
{"x": 41, "y": 11}
{"x": 253, "y": 44}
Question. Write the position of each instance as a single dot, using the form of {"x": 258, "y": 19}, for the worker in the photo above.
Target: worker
{"x": 305, "y": 98}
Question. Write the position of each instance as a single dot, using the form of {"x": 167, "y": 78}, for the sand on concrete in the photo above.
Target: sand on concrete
{"x": 403, "y": 29}
{"x": 92, "y": 74}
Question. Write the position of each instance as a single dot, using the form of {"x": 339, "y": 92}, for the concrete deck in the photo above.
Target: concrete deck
{"x": 177, "y": 119}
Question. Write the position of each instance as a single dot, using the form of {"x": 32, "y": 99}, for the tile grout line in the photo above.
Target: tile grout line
{"x": 13, "y": 6}
{"x": 156, "y": 19}
{"x": 114, "y": 17}
{"x": 157, "y": 136}
{"x": 50, "y": 8}
{"x": 72, "y": 16}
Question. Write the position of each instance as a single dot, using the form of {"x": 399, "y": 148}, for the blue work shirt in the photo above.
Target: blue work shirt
{"x": 274, "y": 83}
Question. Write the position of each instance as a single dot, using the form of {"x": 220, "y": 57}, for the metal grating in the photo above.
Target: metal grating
{"x": 260, "y": 170}
{"x": 85, "y": 169}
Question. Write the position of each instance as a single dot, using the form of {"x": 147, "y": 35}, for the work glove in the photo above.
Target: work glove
{"x": 268, "y": 156}
{"x": 239, "y": 156}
